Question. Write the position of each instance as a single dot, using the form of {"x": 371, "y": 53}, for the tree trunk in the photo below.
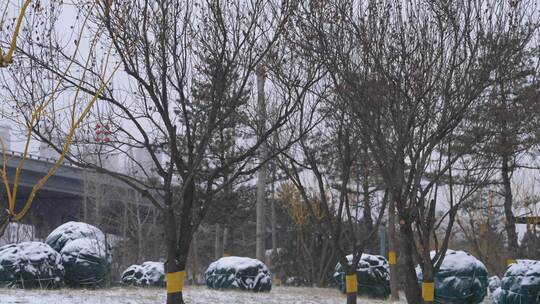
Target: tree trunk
{"x": 509, "y": 214}
{"x": 4, "y": 221}
{"x": 226, "y": 243}
{"x": 195, "y": 262}
{"x": 275, "y": 271}
{"x": 125, "y": 219}
{"x": 392, "y": 254}
{"x": 261, "y": 181}
{"x": 140, "y": 228}
{"x": 218, "y": 249}
{"x": 173, "y": 265}
{"x": 274, "y": 214}
{"x": 506, "y": 151}
{"x": 178, "y": 237}
{"x": 351, "y": 291}
{"x": 351, "y": 298}
{"x": 428, "y": 276}
{"x": 412, "y": 290}
{"x": 367, "y": 201}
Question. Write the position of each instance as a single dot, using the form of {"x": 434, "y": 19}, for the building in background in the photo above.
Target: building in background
{"x": 5, "y": 135}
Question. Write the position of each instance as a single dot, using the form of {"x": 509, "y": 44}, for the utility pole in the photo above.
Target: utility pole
{"x": 261, "y": 181}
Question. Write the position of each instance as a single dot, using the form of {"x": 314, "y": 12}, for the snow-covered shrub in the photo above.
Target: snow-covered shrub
{"x": 85, "y": 253}
{"x": 147, "y": 274}
{"x": 461, "y": 279}
{"x": 494, "y": 282}
{"x": 30, "y": 265}
{"x": 295, "y": 281}
{"x": 238, "y": 273}
{"x": 70, "y": 231}
{"x": 520, "y": 284}
{"x": 372, "y": 274}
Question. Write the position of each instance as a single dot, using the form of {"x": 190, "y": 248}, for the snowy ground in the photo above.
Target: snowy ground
{"x": 194, "y": 295}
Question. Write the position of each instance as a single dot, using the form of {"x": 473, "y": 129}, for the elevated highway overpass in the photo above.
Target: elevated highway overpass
{"x": 62, "y": 196}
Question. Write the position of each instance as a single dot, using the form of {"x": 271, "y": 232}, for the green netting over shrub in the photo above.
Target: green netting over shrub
{"x": 462, "y": 279}
{"x": 85, "y": 262}
{"x": 147, "y": 274}
{"x": 238, "y": 273}
{"x": 494, "y": 282}
{"x": 520, "y": 284}
{"x": 372, "y": 273}
{"x": 85, "y": 253}
{"x": 30, "y": 265}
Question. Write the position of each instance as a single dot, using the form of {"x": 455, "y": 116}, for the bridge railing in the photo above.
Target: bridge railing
{"x": 37, "y": 157}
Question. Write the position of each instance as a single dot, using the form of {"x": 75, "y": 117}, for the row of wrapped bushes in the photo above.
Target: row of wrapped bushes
{"x": 77, "y": 254}
{"x": 74, "y": 254}
{"x": 461, "y": 278}
{"x": 226, "y": 273}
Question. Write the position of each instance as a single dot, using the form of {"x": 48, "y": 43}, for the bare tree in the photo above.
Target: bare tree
{"x": 410, "y": 71}
{"x": 510, "y": 120}
{"x": 35, "y": 95}
{"x": 327, "y": 151}
{"x": 187, "y": 73}
{"x": 328, "y": 154}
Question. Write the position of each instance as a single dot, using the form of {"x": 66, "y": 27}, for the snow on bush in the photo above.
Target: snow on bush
{"x": 85, "y": 252}
{"x": 494, "y": 282}
{"x": 461, "y": 278}
{"x": 373, "y": 276}
{"x": 146, "y": 274}
{"x": 85, "y": 262}
{"x": 70, "y": 231}
{"x": 520, "y": 284}
{"x": 238, "y": 273}
{"x": 30, "y": 265}
{"x": 295, "y": 281}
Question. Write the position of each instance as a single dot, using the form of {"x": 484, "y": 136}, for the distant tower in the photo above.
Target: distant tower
{"x": 5, "y": 135}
